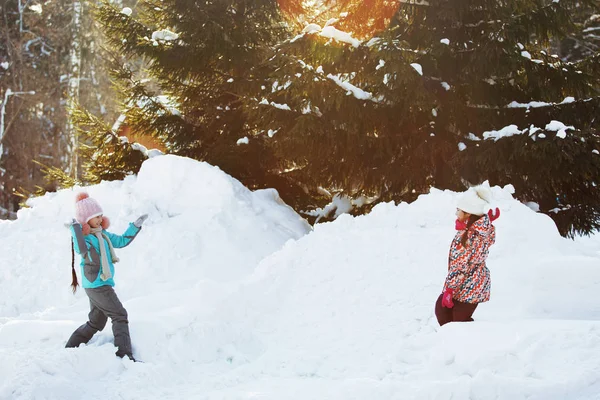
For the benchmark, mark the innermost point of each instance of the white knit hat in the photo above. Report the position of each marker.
(476, 200)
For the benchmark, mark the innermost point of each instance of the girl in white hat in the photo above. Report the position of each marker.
(468, 280)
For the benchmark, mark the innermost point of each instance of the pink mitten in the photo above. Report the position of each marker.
(447, 298)
(494, 216)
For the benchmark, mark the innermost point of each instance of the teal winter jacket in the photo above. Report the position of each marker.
(89, 249)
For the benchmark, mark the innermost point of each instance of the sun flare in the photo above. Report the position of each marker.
(364, 19)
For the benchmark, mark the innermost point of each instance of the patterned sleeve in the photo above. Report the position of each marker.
(483, 226)
(458, 263)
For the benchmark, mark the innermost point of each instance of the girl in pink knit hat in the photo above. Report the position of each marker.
(468, 281)
(96, 246)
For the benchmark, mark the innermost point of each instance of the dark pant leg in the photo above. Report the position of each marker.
(443, 314)
(83, 334)
(107, 301)
(463, 312)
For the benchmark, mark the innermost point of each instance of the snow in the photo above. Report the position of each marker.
(511, 130)
(127, 11)
(297, 37)
(536, 104)
(526, 54)
(312, 28)
(416, 2)
(331, 21)
(330, 32)
(243, 140)
(36, 8)
(418, 68)
(386, 78)
(355, 91)
(276, 105)
(341, 36)
(462, 146)
(473, 137)
(595, 151)
(507, 131)
(154, 153)
(445, 41)
(533, 206)
(164, 34)
(531, 104)
(340, 204)
(148, 153)
(559, 127)
(230, 295)
(380, 65)
(5, 65)
(446, 86)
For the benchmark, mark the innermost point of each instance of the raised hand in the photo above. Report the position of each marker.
(138, 222)
(494, 216)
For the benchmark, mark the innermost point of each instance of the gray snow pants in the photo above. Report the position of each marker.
(104, 303)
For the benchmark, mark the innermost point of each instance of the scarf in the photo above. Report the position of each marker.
(105, 273)
(460, 226)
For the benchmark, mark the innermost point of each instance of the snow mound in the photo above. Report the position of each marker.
(354, 300)
(202, 225)
(231, 297)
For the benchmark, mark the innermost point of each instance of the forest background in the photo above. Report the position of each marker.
(339, 105)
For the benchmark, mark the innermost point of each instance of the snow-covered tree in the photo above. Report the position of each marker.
(450, 93)
(584, 40)
(185, 71)
(379, 99)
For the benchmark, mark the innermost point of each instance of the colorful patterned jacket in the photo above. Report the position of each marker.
(468, 275)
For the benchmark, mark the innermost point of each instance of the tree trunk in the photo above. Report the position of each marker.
(73, 92)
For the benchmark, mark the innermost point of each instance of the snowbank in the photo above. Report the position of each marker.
(229, 298)
(203, 225)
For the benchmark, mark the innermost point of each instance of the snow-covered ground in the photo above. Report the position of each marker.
(232, 296)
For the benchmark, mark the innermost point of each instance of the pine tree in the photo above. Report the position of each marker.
(584, 40)
(422, 103)
(184, 71)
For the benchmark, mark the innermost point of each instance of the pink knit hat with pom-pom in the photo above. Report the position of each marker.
(87, 208)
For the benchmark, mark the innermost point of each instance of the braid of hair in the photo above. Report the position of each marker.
(472, 219)
(74, 282)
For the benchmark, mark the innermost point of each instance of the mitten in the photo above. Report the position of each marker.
(494, 216)
(138, 222)
(447, 298)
